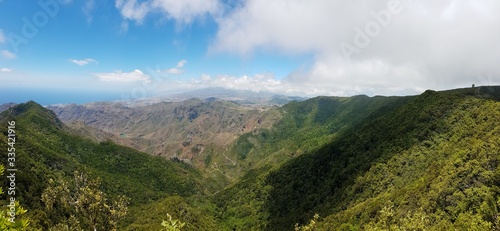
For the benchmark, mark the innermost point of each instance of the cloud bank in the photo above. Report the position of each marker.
(264, 82)
(124, 77)
(366, 46)
(428, 44)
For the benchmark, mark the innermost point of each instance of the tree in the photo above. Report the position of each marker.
(86, 201)
(413, 220)
(171, 225)
(469, 221)
(71, 224)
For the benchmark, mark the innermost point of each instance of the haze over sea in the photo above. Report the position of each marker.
(46, 97)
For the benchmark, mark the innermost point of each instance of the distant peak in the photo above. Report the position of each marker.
(32, 112)
(6, 106)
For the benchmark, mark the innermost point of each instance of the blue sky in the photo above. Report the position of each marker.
(61, 51)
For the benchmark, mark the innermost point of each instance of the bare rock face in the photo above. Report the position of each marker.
(183, 130)
(6, 106)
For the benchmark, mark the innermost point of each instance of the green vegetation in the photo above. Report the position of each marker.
(427, 162)
(310, 227)
(46, 150)
(172, 225)
(6, 219)
(191, 213)
(88, 205)
(306, 126)
(431, 159)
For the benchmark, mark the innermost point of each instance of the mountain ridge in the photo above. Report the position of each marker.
(242, 97)
(361, 163)
(344, 180)
(46, 149)
(191, 130)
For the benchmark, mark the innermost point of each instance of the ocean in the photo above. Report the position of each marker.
(47, 97)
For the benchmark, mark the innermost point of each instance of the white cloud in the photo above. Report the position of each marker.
(5, 70)
(259, 82)
(181, 63)
(83, 62)
(175, 70)
(187, 10)
(182, 11)
(266, 82)
(429, 44)
(2, 36)
(132, 10)
(119, 76)
(414, 46)
(8, 55)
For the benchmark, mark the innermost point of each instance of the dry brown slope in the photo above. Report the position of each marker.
(194, 131)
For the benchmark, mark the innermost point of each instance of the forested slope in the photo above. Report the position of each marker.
(362, 163)
(304, 128)
(45, 150)
(432, 159)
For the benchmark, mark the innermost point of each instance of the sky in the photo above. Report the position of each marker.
(75, 51)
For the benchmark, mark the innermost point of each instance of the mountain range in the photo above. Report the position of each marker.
(242, 97)
(360, 163)
(190, 130)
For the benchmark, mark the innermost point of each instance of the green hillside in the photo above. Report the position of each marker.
(426, 162)
(304, 127)
(307, 125)
(432, 156)
(46, 150)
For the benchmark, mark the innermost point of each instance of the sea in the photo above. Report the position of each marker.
(49, 97)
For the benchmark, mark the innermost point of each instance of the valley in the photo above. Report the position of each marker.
(360, 163)
(197, 132)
